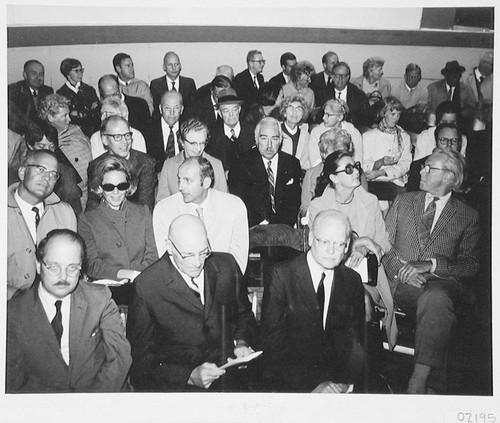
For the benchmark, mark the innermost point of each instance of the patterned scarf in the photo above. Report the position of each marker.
(396, 131)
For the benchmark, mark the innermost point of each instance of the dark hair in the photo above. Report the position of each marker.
(71, 235)
(445, 125)
(220, 81)
(329, 167)
(447, 107)
(268, 94)
(193, 125)
(119, 58)
(206, 169)
(327, 55)
(31, 62)
(285, 57)
(39, 129)
(412, 67)
(68, 64)
(107, 163)
(337, 65)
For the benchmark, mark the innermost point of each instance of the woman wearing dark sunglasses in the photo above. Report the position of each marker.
(118, 233)
(342, 190)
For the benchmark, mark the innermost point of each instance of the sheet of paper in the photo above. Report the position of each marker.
(241, 360)
(110, 282)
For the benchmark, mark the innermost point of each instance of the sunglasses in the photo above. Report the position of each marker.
(123, 186)
(349, 168)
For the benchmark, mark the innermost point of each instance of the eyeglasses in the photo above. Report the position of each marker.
(349, 168)
(427, 168)
(449, 141)
(298, 109)
(331, 114)
(341, 75)
(262, 62)
(121, 137)
(55, 269)
(190, 256)
(123, 186)
(196, 144)
(338, 246)
(78, 70)
(42, 171)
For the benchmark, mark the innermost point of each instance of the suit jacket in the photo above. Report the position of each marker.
(248, 180)
(244, 87)
(454, 241)
(117, 239)
(321, 93)
(358, 106)
(167, 179)
(20, 94)
(99, 352)
(298, 353)
(438, 93)
(142, 167)
(203, 109)
(138, 115)
(171, 332)
(154, 144)
(226, 150)
(278, 80)
(187, 88)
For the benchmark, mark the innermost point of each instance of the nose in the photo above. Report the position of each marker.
(197, 260)
(62, 274)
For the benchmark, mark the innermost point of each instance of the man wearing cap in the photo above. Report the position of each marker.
(481, 83)
(230, 136)
(249, 82)
(451, 88)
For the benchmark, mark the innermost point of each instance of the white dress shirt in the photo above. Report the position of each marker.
(29, 214)
(165, 130)
(199, 281)
(170, 83)
(237, 130)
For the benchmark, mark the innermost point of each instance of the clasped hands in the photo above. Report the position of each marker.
(412, 272)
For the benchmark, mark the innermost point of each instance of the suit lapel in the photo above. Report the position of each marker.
(179, 285)
(418, 211)
(445, 216)
(76, 320)
(210, 285)
(306, 288)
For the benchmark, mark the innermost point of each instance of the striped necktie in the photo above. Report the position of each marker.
(426, 221)
(170, 149)
(270, 178)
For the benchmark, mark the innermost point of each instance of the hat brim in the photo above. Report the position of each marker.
(459, 69)
(229, 101)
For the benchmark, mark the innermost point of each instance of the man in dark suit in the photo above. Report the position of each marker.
(266, 179)
(26, 94)
(313, 316)
(138, 111)
(230, 136)
(205, 107)
(287, 62)
(172, 81)
(435, 251)
(248, 82)
(165, 141)
(322, 82)
(175, 323)
(349, 93)
(63, 334)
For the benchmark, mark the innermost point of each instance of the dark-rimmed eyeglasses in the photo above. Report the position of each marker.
(262, 62)
(190, 256)
(349, 168)
(42, 171)
(338, 246)
(449, 141)
(427, 168)
(197, 144)
(55, 269)
(123, 186)
(121, 137)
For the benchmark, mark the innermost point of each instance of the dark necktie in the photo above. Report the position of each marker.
(450, 94)
(35, 98)
(233, 135)
(255, 83)
(338, 95)
(270, 178)
(329, 83)
(57, 322)
(173, 86)
(37, 216)
(196, 289)
(426, 221)
(320, 294)
(170, 149)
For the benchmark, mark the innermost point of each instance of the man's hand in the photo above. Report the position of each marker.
(204, 375)
(374, 174)
(329, 387)
(356, 257)
(242, 350)
(412, 272)
(369, 245)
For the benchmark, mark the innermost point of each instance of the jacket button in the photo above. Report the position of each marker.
(26, 276)
(76, 159)
(119, 244)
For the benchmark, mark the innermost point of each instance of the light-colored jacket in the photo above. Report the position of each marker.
(21, 269)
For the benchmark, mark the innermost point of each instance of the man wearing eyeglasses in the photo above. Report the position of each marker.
(224, 215)
(189, 312)
(117, 138)
(313, 315)
(248, 82)
(194, 138)
(64, 334)
(33, 211)
(434, 255)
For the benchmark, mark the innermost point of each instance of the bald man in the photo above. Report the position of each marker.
(222, 70)
(175, 319)
(313, 314)
(172, 81)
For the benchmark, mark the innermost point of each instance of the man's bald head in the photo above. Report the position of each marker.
(172, 65)
(109, 86)
(225, 70)
(185, 227)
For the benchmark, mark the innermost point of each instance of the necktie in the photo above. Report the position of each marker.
(199, 212)
(320, 294)
(170, 149)
(255, 82)
(450, 94)
(329, 83)
(233, 135)
(196, 289)
(35, 98)
(57, 322)
(426, 221)
(270, 178)
(173, 86)
(338, 95)
(37, 216)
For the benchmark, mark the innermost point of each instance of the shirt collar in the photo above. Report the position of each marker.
(316, 270)
(443, 200)
(73, 88)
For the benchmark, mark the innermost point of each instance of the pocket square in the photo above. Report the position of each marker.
(95, 332)
(290, 182)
